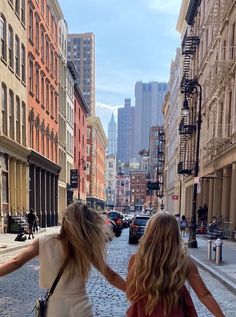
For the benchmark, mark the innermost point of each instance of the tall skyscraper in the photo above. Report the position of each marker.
(112, 141)
(125, 139)
(148, 103)
(81, 50)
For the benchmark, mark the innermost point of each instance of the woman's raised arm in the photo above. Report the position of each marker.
(24, 256)
(202, 291)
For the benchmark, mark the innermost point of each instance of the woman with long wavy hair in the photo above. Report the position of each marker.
(80, 244)
(158, 271)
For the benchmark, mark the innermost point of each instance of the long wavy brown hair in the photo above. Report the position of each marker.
(83, 236)
(159, 269)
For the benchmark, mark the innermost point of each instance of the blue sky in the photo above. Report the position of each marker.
(135, 40)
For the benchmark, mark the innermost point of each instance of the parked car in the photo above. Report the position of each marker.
(137, 227)
(116, 217)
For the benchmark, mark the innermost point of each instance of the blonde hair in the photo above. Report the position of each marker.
(83, 236)
(160, 265)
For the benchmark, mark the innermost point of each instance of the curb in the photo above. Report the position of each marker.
(22, 244)
(218, 275)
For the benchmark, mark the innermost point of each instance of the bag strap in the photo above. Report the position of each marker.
(57, 279)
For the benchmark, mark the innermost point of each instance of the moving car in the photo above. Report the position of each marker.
(137, 227)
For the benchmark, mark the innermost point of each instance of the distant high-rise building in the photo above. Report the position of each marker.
(148, 103)
(112, 141)
(81, 50)
(125, 139)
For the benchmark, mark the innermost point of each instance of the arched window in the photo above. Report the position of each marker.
(10, 47)
(23, 11)
(4, 108)
(11, 114)
(18, 130)
(17, 55)
(17, 7)
(23, 63)
(3, 37)
(23, 123)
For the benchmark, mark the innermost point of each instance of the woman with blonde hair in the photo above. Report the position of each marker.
(79, 245)
(158, 271)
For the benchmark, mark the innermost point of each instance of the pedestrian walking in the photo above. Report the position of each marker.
(35, 225)
(80, 244)
(183, 226)
(158, 271)
(31, 220)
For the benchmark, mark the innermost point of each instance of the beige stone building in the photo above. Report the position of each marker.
(213, 64)
(14, 169)
(171, 113)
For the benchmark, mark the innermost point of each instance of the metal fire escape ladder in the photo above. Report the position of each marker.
(186, 128)
(160, 163)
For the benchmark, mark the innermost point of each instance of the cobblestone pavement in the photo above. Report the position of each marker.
(19, 289)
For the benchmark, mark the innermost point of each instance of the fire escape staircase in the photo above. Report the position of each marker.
(185, 130)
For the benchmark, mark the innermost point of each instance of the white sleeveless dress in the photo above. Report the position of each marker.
(69, 298)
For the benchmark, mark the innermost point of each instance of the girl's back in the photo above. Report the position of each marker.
(70, 297)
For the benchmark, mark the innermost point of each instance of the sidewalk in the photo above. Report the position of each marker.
(226, 271)
(8, 243)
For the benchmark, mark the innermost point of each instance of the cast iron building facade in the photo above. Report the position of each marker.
(125, 140)
(81, 50)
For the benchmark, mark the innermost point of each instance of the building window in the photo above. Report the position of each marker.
(42, 89)
(37, 83)
(4, 108)
(37, 138)
(11, 114)
(47, 96)
(56, 107)
(18, 119)
(10, 47)
(42, 44)
(37, 32)
(31, 24)
(23, 122)
(42, 142)
(51, 103)
(23, 76)
(3, 37)
(47, 14)
(47, 147)
(51, 61)
(47, 53)
(17, 7)
(31, 75)
(42, 7)
(17, 55)
(23, 11)
(55, 66)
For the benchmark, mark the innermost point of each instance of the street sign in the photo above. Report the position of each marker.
(175, 197)
(74, 178)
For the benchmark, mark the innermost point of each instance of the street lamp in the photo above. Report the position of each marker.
(194, 88)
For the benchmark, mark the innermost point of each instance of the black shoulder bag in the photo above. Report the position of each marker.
(41, 302)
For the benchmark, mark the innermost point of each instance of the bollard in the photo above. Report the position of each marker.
(218, 245)
(209, 249)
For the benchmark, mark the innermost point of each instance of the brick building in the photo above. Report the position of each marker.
(96, 151)
(138, 189)
(81, 112)
(43, 86)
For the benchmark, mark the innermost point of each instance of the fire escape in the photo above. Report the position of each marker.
(160, 163)
(186, 127)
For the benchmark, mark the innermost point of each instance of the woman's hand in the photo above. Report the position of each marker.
(24, 256)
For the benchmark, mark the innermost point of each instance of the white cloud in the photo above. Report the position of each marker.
(166, 6)
(109, 107)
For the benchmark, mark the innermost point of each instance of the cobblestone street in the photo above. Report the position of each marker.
(19, 290)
